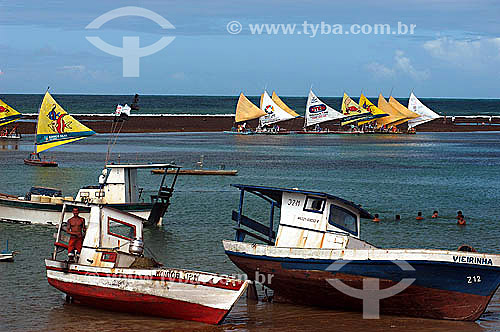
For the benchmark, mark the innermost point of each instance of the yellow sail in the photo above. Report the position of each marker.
(403, 110)
(395, 117)
(56, 127)
(370, 107)
(284, 106)
(8, 114)
(246, 110)
(352, 111)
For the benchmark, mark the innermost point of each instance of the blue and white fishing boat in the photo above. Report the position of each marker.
(6, 255)
(314, 256)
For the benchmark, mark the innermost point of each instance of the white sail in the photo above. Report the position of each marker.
(426, 114)
(274, 112)
(318, 112)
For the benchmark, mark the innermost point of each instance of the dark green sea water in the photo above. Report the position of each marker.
(388, 175)
(76, 104)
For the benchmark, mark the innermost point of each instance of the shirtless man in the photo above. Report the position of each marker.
(76, 228)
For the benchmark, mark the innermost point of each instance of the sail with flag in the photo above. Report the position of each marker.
(283, 106)
(318, 112)
(56, 127)
(274, 113)
(8, 114)
(426, 114)
(376, 112)
(353, 112)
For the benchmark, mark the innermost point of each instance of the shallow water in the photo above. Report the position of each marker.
(386, 174)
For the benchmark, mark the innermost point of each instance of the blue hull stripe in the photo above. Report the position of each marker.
(456, 277)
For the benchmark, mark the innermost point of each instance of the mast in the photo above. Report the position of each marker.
(38, 118)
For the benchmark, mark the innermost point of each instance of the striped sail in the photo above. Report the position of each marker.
(370, 107)
(284, 106)
(353, 112)
(8, 114)
(318, 112)
(426, 114)
(56, 127)
(246, 110)
(274, 113)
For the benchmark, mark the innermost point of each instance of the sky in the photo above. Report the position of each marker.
(454, 50)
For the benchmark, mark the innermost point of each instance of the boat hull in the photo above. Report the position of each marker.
(14, 210)
(157, 292)
(440, 289)
(40, 163)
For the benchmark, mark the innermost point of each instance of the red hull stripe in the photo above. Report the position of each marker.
(133, 302)
(236, 286)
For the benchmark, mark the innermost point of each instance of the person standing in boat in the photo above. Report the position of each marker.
(76, 229)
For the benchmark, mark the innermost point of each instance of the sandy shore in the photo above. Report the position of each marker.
(214, 123)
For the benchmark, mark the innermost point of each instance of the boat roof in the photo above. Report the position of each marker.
(276, 194)
(142, 166)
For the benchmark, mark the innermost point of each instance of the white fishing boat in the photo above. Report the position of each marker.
(117, 188)
(424, 112)
(313, 255)
(112, 273)
(54, 127)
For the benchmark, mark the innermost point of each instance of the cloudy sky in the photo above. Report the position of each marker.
(453, 52)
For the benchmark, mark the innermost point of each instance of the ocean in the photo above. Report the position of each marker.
(78, 104)
(388, 175)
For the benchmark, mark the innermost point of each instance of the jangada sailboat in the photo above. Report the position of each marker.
(376, 112)
(54, 127)
(318, 112)
(353, 112)
(8, 115)
(245, 111)
(426, 114)
(274, 114)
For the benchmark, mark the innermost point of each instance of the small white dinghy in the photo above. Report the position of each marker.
(6, 255)
(112, 273)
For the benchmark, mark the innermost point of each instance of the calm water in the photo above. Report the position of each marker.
(386, 174)
(75, 104)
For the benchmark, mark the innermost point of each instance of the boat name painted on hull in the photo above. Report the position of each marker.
(308, 219)
(472, 260)
(170, 274)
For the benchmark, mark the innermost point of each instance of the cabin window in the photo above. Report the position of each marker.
(121, 229)
(343, 219)
(314, 204)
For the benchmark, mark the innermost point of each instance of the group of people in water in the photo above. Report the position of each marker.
(460, 217)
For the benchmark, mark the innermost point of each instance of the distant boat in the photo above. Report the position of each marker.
(353, 113)
(54, 127)
(395, 116)
(376, 112)
(402, 109)
(8, 115)
(426, 114)
(6, 255)
(245, 111)
(274, 115)
(318, 112)
(197, 171)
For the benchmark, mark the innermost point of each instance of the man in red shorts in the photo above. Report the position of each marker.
(76, 228)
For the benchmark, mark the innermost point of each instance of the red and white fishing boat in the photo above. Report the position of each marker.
(112, 273)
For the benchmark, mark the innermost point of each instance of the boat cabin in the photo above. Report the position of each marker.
(118, 184)
(112, 239)
(307, 219)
